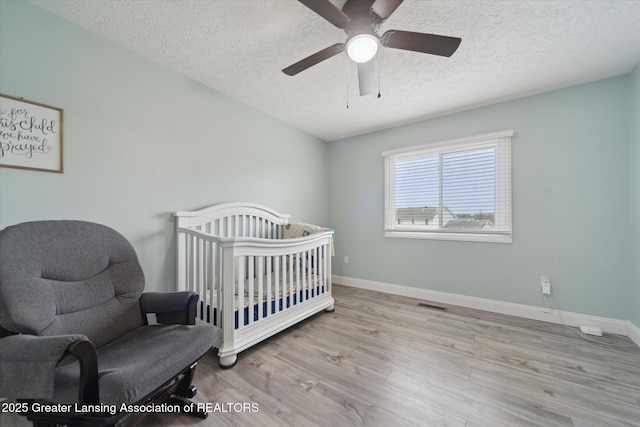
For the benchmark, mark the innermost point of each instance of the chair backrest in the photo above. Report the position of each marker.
(69, 277)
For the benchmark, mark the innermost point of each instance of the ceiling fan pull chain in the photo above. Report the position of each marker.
(379, 68)
(347, 75)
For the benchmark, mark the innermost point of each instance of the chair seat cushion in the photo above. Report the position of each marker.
(138, 362)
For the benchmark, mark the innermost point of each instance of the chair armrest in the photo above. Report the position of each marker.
(86, 354)
(28, 364)
(170, 307)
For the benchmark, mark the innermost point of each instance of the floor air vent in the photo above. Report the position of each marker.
(431, 306)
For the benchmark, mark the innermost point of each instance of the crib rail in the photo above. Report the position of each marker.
(259, 278)
(236, 220)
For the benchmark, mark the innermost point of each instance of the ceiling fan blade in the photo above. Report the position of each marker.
(420, 42)
(314, 59)
(383, 9)
(367, 78)
(328, 11)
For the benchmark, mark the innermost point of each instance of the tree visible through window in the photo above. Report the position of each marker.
(457, 190)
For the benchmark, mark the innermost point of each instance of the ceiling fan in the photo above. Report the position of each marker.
(360, 20)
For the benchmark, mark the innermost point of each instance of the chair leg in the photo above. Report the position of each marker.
(185, 391)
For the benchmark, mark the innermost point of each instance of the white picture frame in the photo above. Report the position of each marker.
(31, 135)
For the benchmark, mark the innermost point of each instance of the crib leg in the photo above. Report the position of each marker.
(228, 361)
(330, 309)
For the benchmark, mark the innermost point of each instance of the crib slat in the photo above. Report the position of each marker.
(303, 264)
(205, 270)
(291, 270)
(326, 272)
(239, 279)
(204, 273)
(251, 262)
(318, 274)
(296, 277)
(319, 270)
(277, 292)
(188, 268)
(220, 287)
(201, 267)
(323, 269)
(314, 273)
(285, 279)
(212, 282)
(200, 261)
(269, 262)
(193, 270)
(260, 311)
(303, 278)
(244, 232)
(187, 262)
(285, 283)
(308, 276)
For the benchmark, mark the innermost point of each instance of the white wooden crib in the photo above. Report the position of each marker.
(252, 282)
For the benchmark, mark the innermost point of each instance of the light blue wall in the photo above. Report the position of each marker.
(141, 141)
(570, 205)
(634, 189)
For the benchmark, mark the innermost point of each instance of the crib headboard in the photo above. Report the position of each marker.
(237, 219)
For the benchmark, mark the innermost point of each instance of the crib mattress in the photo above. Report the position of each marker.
(278, 289)
(282, 295)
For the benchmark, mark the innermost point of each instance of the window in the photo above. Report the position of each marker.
(451, 190)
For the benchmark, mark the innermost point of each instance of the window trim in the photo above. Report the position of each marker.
(478, 141)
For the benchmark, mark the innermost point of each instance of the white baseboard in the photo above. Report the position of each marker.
(614, 326)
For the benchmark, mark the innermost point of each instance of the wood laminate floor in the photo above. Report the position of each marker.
(384, 360)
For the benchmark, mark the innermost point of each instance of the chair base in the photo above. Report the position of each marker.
(176, 392)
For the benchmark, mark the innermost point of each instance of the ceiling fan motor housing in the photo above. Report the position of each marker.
(362, 21)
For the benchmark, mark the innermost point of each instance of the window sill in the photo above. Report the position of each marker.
(461, 237)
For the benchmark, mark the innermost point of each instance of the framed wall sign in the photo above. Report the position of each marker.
(30, 135)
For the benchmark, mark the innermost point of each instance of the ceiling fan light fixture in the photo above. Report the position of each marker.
(362, 47)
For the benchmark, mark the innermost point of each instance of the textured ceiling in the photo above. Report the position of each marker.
(509, 49)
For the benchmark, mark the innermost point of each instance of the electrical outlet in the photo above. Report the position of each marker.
(591, 330)
(346, 259)
(545, 283)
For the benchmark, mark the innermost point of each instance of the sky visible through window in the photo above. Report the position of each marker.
(468, 182)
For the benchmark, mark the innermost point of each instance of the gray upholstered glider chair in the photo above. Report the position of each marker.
(74, 328)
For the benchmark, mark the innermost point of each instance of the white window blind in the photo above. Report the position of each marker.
(453, 190)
